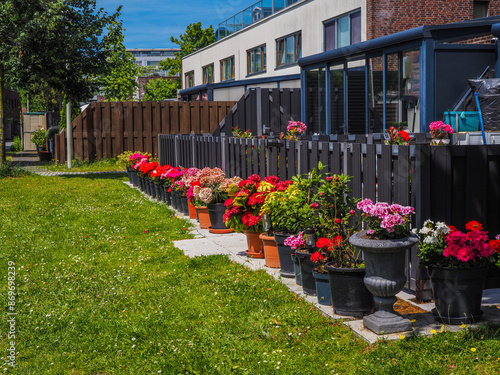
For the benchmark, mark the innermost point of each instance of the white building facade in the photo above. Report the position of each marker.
(262, 49)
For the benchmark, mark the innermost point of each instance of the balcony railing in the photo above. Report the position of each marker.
(254, 13)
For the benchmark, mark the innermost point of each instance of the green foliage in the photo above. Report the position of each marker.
(38, 137)
(17, 145)
(41, 98)
(193, 39)
(160, 89)
(238, 133)
(75, 111)
(119, 84)
(103, 165)
(7, 169)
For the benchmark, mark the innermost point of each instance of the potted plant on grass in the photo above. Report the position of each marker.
(384, 247)
(458, 264)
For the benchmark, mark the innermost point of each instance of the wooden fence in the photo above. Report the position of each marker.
(107, 129)
(451, 184)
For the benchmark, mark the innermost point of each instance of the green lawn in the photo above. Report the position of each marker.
(101, 290)
(106, 164)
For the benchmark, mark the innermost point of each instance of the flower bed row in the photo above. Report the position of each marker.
(316, 225)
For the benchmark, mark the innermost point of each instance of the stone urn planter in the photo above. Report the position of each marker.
(385, 277)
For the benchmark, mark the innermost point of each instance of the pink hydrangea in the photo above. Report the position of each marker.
(295, 242)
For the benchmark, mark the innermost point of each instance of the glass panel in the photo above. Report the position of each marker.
(343, 32)
(356, 116)
(257, 13)
(290, 48)
(264, 59)
(393, 109)
(316, 101)
(411, 89)
(376, 95)
(247, 16)
(238, 21)
(298, 46)
(258, 60)
(337, 99)
(267, 7)
(329, 36)
(278, 5)
(280, 45)
(356, 28)
(230, 26)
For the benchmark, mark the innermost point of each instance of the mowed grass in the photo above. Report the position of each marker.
(104, 165)
(101, 290)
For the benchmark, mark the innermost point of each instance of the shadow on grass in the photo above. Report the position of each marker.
(96, 175)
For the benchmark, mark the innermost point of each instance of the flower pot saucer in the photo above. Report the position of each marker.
(220, 231)
(252, 254)
(457, 320)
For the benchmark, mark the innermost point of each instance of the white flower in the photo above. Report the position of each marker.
(425, 230)
(428, 223)
(415, 231)
(442, 228)
(430, 240)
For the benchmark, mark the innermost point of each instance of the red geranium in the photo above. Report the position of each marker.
(473, 225)
(316, 256)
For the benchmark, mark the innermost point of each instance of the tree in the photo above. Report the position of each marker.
(58, 42)
(120, 83)
(193, 39)
(41, 98)
(159, 89)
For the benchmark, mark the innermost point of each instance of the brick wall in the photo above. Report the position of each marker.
(386, 17)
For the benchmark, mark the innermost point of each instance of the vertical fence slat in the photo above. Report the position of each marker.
(369, 173)
(384, 173)
(335, 159)
(292, 160)
(357, 189)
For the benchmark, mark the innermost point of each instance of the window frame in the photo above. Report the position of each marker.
(204, 73)
(335, 21)
(297, 49)
(230, 58)
(189, 79)
(263, 59)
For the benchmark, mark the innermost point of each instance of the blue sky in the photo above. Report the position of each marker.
(150, 23)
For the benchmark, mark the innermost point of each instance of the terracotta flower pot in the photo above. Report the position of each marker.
(270, 251)
(192, 211)
(204, 217)
(255, 245)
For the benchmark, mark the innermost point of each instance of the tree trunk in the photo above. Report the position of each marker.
(2, 139)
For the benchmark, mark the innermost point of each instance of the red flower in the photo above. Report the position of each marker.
(254, 178)
(337, 241)
(452, 228)
(282, 185)
(196, 183)
(250, 220)
(338, 221)
(329, 178)
(315, 205)
(229, 202)
(404, 135)
(495, 244)
(324, 243)
(473, 225)
(257, 198)
(316, 256)
(272, 179)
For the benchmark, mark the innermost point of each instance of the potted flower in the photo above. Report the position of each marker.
(440, 133)
(144, 171)
(243, 208)
(213, 192)
(190, 176)
(172, 176)
(138, 162)
(458, 264)
(397, 136)
(294, 130)
(384, 247)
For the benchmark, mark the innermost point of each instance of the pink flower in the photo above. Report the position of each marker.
(145, 231)
(315, 205)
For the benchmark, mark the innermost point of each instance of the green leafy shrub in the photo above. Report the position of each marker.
(18, 144)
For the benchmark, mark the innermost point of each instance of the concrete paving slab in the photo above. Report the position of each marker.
(234, 245)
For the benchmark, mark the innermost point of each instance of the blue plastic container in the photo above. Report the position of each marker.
(466, 121)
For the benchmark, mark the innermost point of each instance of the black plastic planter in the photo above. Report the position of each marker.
(296, 268)
(306, 273)
(184, 204)
(284, 253)
(216, 212)
(323, 288)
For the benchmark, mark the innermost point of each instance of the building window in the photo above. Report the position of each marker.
(343, 31)
(208, 74)
(256, 60)
(480, 9)
(189, 79)
(288, 49)
(227, 69)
